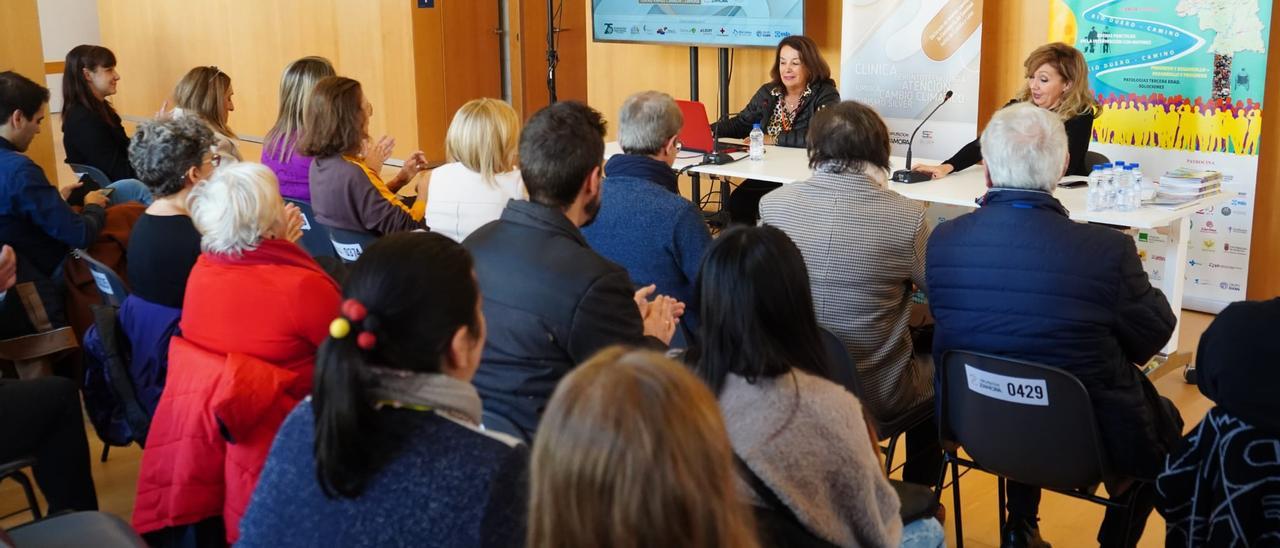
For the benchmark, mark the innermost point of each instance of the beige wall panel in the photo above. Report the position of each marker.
(20, 51)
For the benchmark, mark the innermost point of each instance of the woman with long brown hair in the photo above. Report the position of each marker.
(1057, 80)
(632, 452)
(205, 92)
(92, 132)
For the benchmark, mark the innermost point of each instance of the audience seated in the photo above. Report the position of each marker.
(346, 190)
(392, 428)
(279, 149)
(171, 157)
(34, 218)
(552, 301)
(1221, 484)
(804, 436)
(632, 453)
(205, 93)
(644, 224)
(92, 133)
(257, 307)
(863, 245)
(471, 190)
(1019, 279)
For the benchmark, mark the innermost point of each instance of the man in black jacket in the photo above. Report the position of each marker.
(550, 301)
(1018, 278)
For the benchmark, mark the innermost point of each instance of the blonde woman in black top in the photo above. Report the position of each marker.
(1057, 80)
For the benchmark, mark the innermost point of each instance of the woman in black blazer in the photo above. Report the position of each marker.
(800, 85)
(91, 130)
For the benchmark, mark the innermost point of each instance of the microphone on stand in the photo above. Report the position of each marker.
(906, 175)
(715, 156)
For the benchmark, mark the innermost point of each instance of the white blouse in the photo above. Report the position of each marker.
(460, 201)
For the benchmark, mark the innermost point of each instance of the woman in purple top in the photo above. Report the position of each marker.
(291, 169)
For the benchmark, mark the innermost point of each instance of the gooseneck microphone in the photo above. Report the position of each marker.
(906, 175)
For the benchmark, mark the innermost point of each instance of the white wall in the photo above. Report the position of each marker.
(65, 24)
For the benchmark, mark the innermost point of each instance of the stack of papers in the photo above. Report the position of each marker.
(1185, 185)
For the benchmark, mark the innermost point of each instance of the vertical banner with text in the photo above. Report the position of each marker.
(1181, 85)
(901, 56)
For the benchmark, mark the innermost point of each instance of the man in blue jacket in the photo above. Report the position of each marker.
(34, 217)
(644, 224)
(1020, 279)
(550, 302)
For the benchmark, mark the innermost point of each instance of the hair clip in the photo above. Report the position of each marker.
(353, 310)
(339, 328)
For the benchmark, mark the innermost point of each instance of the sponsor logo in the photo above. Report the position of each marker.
(723, 32)
(1229, 286)
(635, 30)
(1142, 254)
(738, 32)
(663, 31)
(608, 28)
(1238, 202)
(1226, 211)
(1192, 262)
(706, 31)
(762, 33)
(1235, 249)
(1216, 266)
(1142, 236)
(781, 34)
(1234, 230)
(1208, 245)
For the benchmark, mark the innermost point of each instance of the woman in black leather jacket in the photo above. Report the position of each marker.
(800, 85)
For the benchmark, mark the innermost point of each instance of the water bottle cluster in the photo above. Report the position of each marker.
(1115, 186)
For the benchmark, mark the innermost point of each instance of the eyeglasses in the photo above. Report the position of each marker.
(215, 159)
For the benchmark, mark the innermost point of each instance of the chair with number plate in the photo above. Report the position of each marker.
(349, 244)
(1019, 421)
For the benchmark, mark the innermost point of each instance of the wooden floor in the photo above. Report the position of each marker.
(1064, 521)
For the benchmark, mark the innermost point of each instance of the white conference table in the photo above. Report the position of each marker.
(788, 165)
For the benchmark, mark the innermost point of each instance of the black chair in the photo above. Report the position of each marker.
(78, 529)
(94, 173)
(13, 470)
(315, 236)
(1092, 158)
(112, 289)
(1019, 421)
(349, 244)
(845, 373)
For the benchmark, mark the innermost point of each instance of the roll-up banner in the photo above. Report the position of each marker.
(1181, 85)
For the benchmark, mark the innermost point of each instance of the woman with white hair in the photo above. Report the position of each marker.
(256, 309)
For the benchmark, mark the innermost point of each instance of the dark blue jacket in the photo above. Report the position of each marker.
(1019, 279)
(35, 220)
(657, 235)
(446, 485)
(138, 337)
(550, 302)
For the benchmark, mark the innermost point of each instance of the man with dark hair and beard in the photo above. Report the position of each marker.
(550, 301)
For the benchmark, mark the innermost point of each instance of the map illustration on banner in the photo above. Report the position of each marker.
(901, 56)
(1181, 85)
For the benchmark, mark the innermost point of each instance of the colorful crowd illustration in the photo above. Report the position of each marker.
(1179, 123)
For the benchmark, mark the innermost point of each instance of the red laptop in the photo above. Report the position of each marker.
(696, 133)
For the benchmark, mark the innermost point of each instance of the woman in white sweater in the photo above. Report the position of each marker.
(801, 434)
(474, 187)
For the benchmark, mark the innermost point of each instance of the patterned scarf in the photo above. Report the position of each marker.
(782, 119)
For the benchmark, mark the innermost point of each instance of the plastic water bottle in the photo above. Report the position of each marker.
(1124, 189)
(1139, 183)
(757, 143)
(1107, 200)
(1093, 199)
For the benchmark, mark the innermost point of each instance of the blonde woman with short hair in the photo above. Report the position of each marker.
(474, 187)
(1058, 81)
(205, 92)
(632, 452)
(278, 149)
